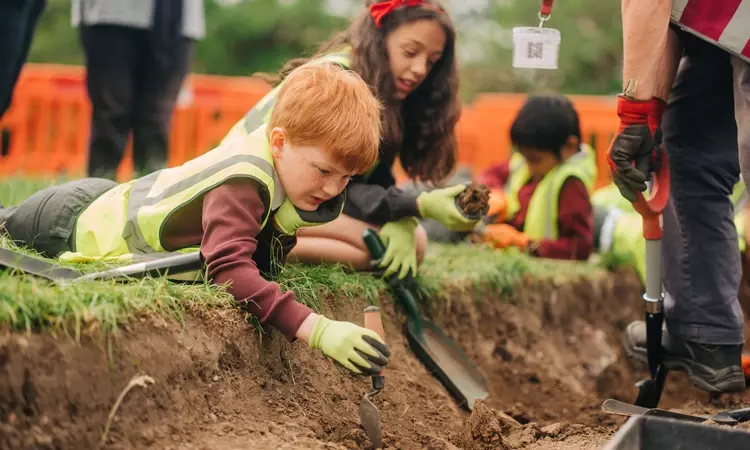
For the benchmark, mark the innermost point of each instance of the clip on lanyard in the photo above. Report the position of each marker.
(537, 47)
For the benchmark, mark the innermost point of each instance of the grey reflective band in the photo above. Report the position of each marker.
(139, 198)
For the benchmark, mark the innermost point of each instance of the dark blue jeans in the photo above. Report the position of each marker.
(18, 19)
(701, 259)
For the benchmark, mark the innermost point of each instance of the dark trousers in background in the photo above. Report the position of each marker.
(18, 19)
(131, 89)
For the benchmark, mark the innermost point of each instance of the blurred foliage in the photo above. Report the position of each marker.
(260, 35)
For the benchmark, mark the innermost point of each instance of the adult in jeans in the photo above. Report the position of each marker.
(705, 105)
(18, 20)
(137, 54)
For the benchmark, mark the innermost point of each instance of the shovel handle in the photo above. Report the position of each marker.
(374, 322)
(652, 208)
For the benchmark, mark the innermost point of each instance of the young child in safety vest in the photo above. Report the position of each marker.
(234, 203)
(406, 52)
(545, 185)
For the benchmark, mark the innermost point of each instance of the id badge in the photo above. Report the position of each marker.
(535, 47)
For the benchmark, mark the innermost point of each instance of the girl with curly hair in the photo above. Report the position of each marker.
(405, 51)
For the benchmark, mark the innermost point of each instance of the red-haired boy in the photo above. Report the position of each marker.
(233, 203)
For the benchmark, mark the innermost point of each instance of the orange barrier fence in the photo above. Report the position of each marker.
(46, 130)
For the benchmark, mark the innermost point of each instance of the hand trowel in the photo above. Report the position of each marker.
(369, 414)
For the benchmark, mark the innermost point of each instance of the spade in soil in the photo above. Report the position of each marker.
(650, 390)
(369, 414)
(438, 352)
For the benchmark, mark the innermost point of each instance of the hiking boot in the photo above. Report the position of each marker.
(713, 368)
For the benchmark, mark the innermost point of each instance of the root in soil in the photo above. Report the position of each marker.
(474, 201)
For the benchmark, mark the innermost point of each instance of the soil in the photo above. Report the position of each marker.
(550, 350)
(474, 201)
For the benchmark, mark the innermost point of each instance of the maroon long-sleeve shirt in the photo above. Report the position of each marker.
(227, 226)
(574, 221)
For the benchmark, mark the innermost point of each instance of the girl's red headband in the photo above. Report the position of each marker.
(379, 10)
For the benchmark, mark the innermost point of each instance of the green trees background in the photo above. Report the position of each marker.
(246, 36)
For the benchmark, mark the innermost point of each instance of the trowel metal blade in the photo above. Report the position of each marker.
(370, 417)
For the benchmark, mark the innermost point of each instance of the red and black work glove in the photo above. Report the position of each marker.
(634, 153)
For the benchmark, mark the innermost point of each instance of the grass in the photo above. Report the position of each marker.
(31, 304)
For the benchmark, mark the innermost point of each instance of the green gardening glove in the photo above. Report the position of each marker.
(401, 247)
(358, 349)
(440, 205)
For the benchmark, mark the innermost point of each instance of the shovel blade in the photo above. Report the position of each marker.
(448, 363)
(650, 389)
(35, 266)
(369, 415)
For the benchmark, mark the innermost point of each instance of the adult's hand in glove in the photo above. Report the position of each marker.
(502, 235)
(635, 150)
(358, 349)
(400, 240)
(440, 205)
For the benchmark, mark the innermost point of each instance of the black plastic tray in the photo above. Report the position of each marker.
(651, 433)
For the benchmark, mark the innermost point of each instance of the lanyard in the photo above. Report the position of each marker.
(545, 11)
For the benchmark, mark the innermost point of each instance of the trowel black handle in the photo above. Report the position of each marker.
(373, 243)
(399, 288)
(374, 322)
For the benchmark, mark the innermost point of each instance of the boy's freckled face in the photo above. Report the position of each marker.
(413, 49)
(308, 174)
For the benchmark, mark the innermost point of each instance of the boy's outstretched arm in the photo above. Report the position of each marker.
(231, 222)
(232, 216)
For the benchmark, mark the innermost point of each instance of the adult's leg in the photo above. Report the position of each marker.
(340, 241)
(112, 56)
(701, 263)
(159, 81)
(18, 19)
(742, 113)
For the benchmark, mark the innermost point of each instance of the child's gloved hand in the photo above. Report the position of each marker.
(401, 247)
(440, 205)
(358, 349)
(502, 235)
(498, 205)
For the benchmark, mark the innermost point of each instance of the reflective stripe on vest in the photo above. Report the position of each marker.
(261, 112)
(724, 23)
(129, 217)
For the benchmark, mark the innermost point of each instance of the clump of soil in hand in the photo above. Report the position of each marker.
(474, 201)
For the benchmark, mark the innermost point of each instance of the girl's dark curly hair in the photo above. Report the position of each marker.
(420, 129)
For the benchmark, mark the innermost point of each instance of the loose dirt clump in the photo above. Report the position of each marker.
(482, 431)
(474, 201)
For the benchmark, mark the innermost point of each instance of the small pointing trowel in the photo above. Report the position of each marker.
(369, 414)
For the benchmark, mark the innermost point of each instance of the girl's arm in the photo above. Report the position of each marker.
(378, 200)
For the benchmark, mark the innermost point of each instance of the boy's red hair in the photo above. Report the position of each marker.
(323, 104)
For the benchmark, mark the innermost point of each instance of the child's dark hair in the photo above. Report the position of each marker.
(545, 122)
(421, 128)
